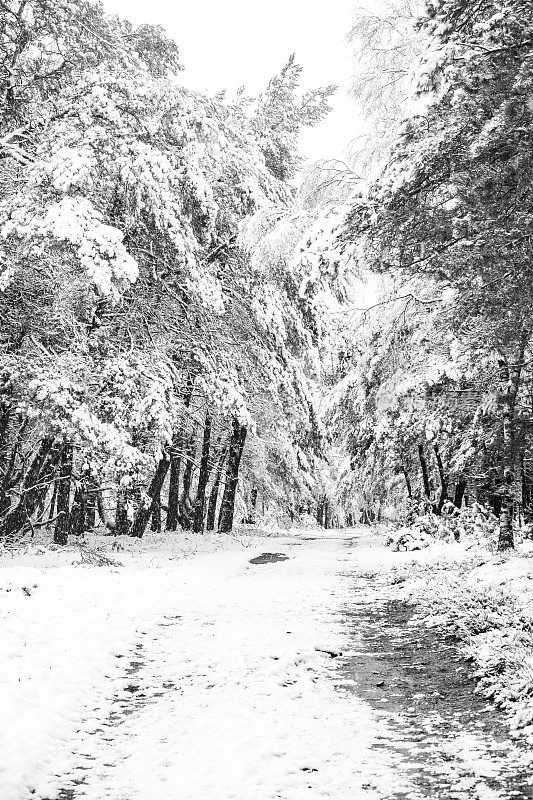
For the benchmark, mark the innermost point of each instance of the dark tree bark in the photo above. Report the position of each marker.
(443, 481)
(10, 473)
(122, 523)
(326, 515)
(63, 484)
(425, 473)
(199, 504)
(320, 512)
(407, 482)
(174, 487)
(173, 504)
(91, 504)
(51, 513)
(145, 510)
(5, 416)
(185, 506)
(509, 386)
(460, 489)
(253, 505)
(235, 450)
(47, 479)
(213, 495)
(155, 524)
(78, 512)
(18, 518)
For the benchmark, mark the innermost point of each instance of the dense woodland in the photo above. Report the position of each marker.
(182, 340)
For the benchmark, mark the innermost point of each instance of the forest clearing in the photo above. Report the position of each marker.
(266, 422)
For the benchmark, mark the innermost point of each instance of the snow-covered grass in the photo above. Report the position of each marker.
(486, 600)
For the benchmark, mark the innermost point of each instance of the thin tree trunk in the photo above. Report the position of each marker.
(407, 482)
(46, 479)
(78, 513)
(443, 481)
(235, 450)
(213, 495)
(145, 510)
(425, 474)
(11, 475)
(122, 523)
(199, 505)
(174, 488)
(253, 504)
(63, 495)
(460, 489)
(185, 515)
(91, 504)
(52, 511)
(155, 525)
(326, 515)
(5, 416)
(19, 517)
(173, 503)
(509, 385)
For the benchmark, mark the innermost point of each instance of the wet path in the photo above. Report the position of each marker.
(450, 742)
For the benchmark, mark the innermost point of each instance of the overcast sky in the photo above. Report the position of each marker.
(228, 43)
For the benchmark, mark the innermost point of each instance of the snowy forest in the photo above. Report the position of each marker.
(181, 340)
(206, 340)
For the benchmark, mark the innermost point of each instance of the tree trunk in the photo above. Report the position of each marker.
(509, 385)
(145, 510)
(51, 513)
(5, 416)
(199, 505)
(213, 495)
(19, 517)
(235, 450)
(173, 504)
(460, 489)
(63, 484)
(10, 474)
(156, 513)
(253, 505)
(443, 481)
(174, 488)
(185, 506)
(91, 504)
(425, 474)
(407, 482)
(122, 522)
(78, 513)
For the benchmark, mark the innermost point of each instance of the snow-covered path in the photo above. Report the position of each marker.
(232, 676)
(236, 692)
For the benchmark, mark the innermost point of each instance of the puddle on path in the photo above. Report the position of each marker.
(449, 741)
(269, 558)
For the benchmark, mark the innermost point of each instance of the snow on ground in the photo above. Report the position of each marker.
(183, 670)
(186, 678)
(486, 599)
(65, 626)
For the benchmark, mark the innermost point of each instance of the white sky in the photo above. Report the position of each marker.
(225, 44)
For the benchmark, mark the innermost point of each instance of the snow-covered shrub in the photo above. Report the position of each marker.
(473, 524)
